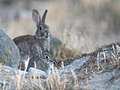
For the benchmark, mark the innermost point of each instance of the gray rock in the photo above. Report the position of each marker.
(37, 73)
(105, 81)
(9, 53)
(96, 70)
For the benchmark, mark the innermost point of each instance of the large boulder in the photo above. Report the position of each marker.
(9, 53)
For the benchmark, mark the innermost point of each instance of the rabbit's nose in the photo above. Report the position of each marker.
(51, 61)
(54, 62)
(46, 34)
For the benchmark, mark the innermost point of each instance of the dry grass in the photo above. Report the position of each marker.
(53, 82)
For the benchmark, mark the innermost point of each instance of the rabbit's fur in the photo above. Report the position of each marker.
(41, 59)
(41, 37)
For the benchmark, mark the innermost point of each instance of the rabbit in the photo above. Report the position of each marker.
(41, 37)
(42, 61)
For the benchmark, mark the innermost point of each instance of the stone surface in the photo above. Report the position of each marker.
(99, 70)
(40, 73)
(18, 77)
(9, 53)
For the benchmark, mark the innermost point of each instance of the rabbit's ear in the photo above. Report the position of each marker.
(44, 16)
(36, 16)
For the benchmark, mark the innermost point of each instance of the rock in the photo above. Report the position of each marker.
(36, 73)
(99, 70)
(105, 81)
(6, 76)
(9, 53)
(23, 80)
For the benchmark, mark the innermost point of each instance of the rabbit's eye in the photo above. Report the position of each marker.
(41, 27)
(47, 57)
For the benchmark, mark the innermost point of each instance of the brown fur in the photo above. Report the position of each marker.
(26, 38)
